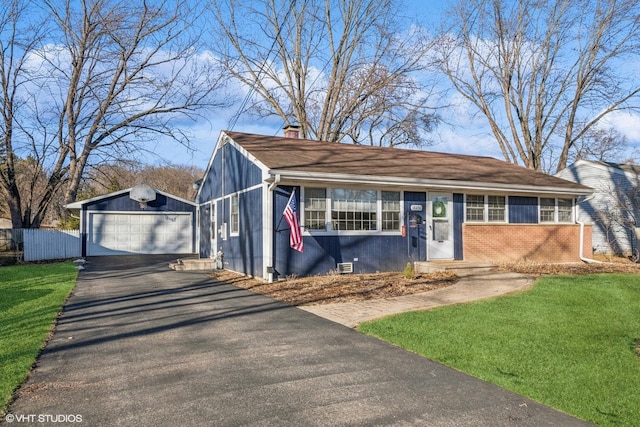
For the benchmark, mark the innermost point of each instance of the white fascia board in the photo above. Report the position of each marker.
(319, 177)
(223, 139)
(78, 205)
(180, 199)
(210, 164)
(247, 154)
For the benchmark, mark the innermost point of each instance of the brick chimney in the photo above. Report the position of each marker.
(292, 131)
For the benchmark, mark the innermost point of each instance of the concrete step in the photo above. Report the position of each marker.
(461, 268)
(200, 264)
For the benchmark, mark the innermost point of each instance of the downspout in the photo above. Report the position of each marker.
(581, 252)
(275, 182)
(270, 265)
(582, 257)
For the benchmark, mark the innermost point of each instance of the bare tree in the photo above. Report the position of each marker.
(110, 77)
(337, 68)
(20, 33)
(177, 180)
(600, 144)
(543, 72)
(619, 213)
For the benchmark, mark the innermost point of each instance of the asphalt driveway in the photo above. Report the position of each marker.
(139, 344)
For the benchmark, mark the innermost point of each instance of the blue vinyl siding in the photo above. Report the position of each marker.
(205, 232)
(245, 173)
(237, 171)
(211, 187)
(523, 210)
(416, 228)
(123, 203)
(458, 219)
(323, 252)
(243, 253)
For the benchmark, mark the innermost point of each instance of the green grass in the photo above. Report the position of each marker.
(571, 342)
(31, 297)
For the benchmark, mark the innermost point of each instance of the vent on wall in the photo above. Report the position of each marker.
(345, 267)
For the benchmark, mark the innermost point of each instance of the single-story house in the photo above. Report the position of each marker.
(138, 220)
(367, 209)
(614, 207)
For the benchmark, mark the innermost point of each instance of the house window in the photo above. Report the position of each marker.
(547, 209)
(235, 215)
(341, 209)
(353, 209)
(475, 208)
(497, 209)
(315, 208)
(565, 210)
(390, 210)
(556, 210)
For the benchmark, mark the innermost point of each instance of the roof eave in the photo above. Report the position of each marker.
(81, 203)
(318, 177)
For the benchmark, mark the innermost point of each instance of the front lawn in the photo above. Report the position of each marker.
(31, 298)
(571, 342)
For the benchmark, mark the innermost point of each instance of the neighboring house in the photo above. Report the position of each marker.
(138, 220)
(614, 208)
(368, 209)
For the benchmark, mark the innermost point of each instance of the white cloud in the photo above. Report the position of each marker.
(628, 124)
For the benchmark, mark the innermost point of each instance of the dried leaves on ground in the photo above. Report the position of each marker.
(339, 288)
(538, 269)
(356, 287)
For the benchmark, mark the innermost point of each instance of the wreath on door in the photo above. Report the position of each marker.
(439, 209)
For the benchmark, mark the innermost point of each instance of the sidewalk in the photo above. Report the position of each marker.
(474, 286)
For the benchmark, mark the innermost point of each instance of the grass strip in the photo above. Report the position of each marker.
(32, 297)
(571, 342)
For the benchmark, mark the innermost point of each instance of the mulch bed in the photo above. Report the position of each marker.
(332, 288)
(339, 288)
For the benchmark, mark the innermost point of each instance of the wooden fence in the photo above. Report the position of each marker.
(41, 245)
(10, 239)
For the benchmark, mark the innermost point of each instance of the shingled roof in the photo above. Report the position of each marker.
(289, 155)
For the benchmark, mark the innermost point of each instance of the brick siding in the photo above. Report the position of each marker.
(531, 242)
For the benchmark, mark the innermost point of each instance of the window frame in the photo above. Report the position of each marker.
(234, 217)
(476, 208)
(556, 210)
(502, 209)
(487, 209)
(306, 209)
(379, 213)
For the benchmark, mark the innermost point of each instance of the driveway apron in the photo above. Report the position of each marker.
(139, 344)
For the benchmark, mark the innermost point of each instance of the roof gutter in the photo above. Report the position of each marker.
(275, 182)
(415, 182)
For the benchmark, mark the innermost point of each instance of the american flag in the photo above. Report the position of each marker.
(291, 215)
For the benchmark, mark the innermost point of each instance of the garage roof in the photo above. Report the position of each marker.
(81, 203)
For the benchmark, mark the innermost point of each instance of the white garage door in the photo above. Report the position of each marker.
(147, 233)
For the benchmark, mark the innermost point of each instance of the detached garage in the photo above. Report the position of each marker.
(139, 220)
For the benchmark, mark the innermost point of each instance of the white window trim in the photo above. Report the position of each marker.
(486, 209)
(556, 211)
(329, 230)
(233, 232)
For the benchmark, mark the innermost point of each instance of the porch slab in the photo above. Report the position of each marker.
(193, 264)
(460, 268)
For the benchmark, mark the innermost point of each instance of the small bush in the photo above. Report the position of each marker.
(408, 272)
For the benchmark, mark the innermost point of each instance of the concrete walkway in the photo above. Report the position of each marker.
(141, 345)
(472, 286)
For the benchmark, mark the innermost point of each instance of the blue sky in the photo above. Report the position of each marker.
(467, 133)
